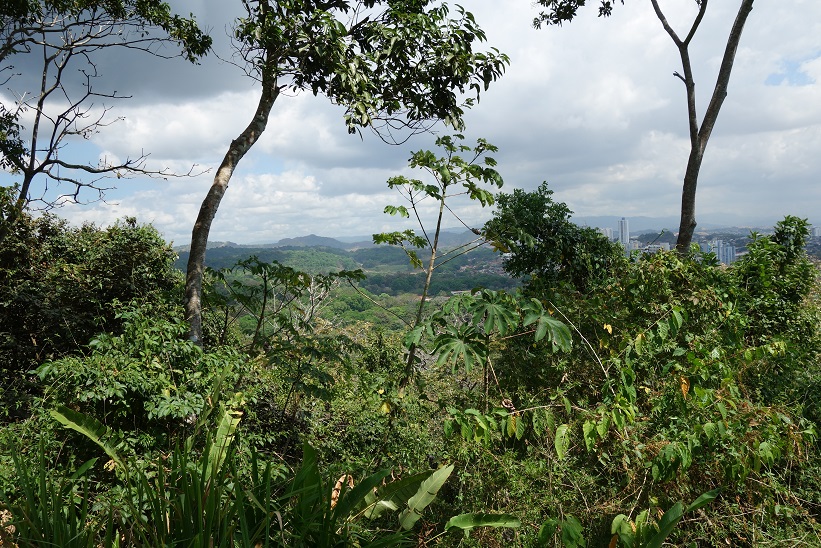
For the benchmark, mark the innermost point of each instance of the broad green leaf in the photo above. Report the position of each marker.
(423, 497)
(589, 430)
(355, 498)
(222, 440)
(667, 523)
(547, 531)
(466, 522)
(520, 427)
(638, 343)
(703, 500)
(603, 426)
(90, 428)
(622, 527)
(460, 344)
(559, 333)
(572, 533)
(515, 426)
(499, 314)
(396, 493)
(562, 440)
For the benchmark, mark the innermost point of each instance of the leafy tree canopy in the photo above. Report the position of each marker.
(563, 11)
(543, 243)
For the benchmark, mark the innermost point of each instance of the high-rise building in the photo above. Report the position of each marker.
(607, 233)
(624, 233)
(725, 253)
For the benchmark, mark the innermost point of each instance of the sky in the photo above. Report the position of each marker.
(591, 107)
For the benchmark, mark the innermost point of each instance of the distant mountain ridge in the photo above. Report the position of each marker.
(455, 237)
(448, 238)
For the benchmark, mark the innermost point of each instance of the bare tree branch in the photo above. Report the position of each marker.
(64, 106)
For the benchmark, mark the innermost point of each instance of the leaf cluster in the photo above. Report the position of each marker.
(541, 242)
(391, 64)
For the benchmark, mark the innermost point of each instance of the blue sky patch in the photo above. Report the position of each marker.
(791, 74)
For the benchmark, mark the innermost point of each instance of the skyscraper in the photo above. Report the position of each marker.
(624, 234)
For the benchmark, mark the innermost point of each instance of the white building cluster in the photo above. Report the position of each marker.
(724, 251)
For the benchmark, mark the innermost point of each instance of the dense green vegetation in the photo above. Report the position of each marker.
(662, 398)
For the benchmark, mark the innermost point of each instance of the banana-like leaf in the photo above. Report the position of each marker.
(466, 522)
(667, 523)
(90, 428)
(423, 497)
(703, 500)
(222, 440)
(356, 498)
(393, 495)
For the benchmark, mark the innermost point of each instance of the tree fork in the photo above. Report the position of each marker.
(700, 136)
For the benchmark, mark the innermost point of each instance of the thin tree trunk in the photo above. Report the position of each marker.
(700, 136)
(428, 276)
(199, 236)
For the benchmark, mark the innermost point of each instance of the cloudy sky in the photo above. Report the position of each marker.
(592, 107)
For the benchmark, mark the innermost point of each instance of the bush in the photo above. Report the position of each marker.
(58, 286)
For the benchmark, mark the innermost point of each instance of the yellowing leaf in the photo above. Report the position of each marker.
(386, 407)
(639, 343)
(608, 328)
(685, 385)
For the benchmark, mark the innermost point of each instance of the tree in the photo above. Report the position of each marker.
(560, 11)
(544, 244)
(397, 68)
(453, 176)
(61, 39)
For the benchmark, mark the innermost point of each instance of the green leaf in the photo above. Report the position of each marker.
(547, 531)
(520, 427)
(603, 426)
(572, 533)
(667, 523)
(499, 313)
(90, 428)
(466, 522)
(222, 440)
(703, 500)
(355, 498)
(396, 493)
(638, 343)
(589, 430)
(562, 441)
(423, 497)
(463, 343)
(558, 333)
(621, 526)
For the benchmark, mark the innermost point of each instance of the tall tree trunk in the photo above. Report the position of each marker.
(700, 135)
(199, 236)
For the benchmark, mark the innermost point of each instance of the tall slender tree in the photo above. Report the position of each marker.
(394, 65)
(560, 11)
